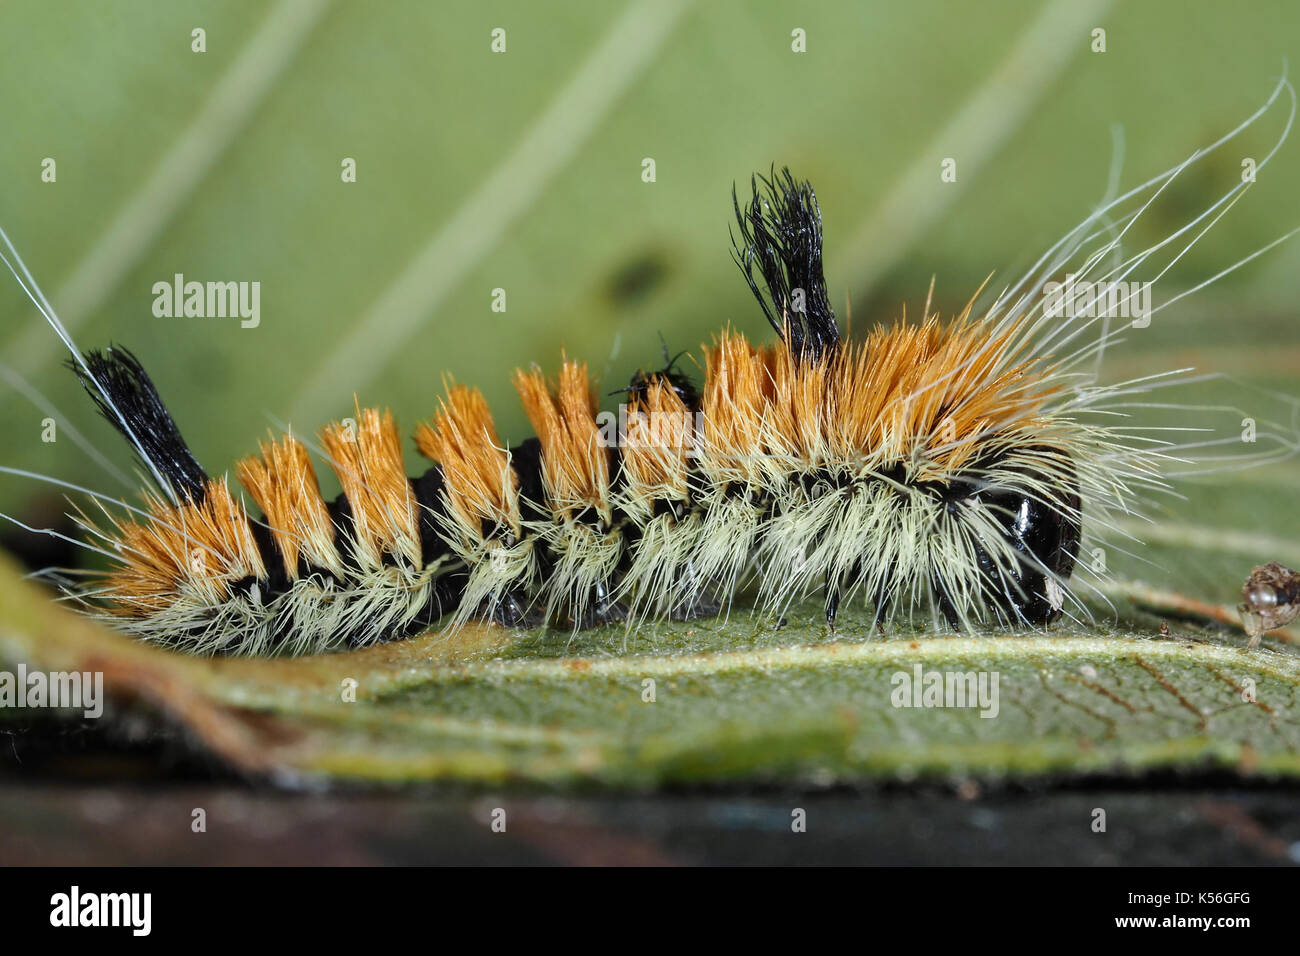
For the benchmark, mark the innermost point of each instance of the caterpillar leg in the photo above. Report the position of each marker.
(514, 609)
(835, 587)
(602, 609)
(832, 601)
(703, 605)
(881, 601)
(700, 601)
(945, 602)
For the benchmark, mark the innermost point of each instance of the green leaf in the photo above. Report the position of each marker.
(598, 262)
(738, 699)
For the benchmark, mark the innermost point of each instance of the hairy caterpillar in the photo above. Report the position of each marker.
(950, 464)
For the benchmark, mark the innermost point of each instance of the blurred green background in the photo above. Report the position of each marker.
(523, 171)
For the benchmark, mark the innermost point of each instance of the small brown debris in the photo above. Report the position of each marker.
(1247, 760)
(968, 789)
(1270, 599)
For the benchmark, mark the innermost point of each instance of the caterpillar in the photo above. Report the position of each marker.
(948, 464)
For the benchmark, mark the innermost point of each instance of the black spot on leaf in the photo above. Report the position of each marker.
(637, 279)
